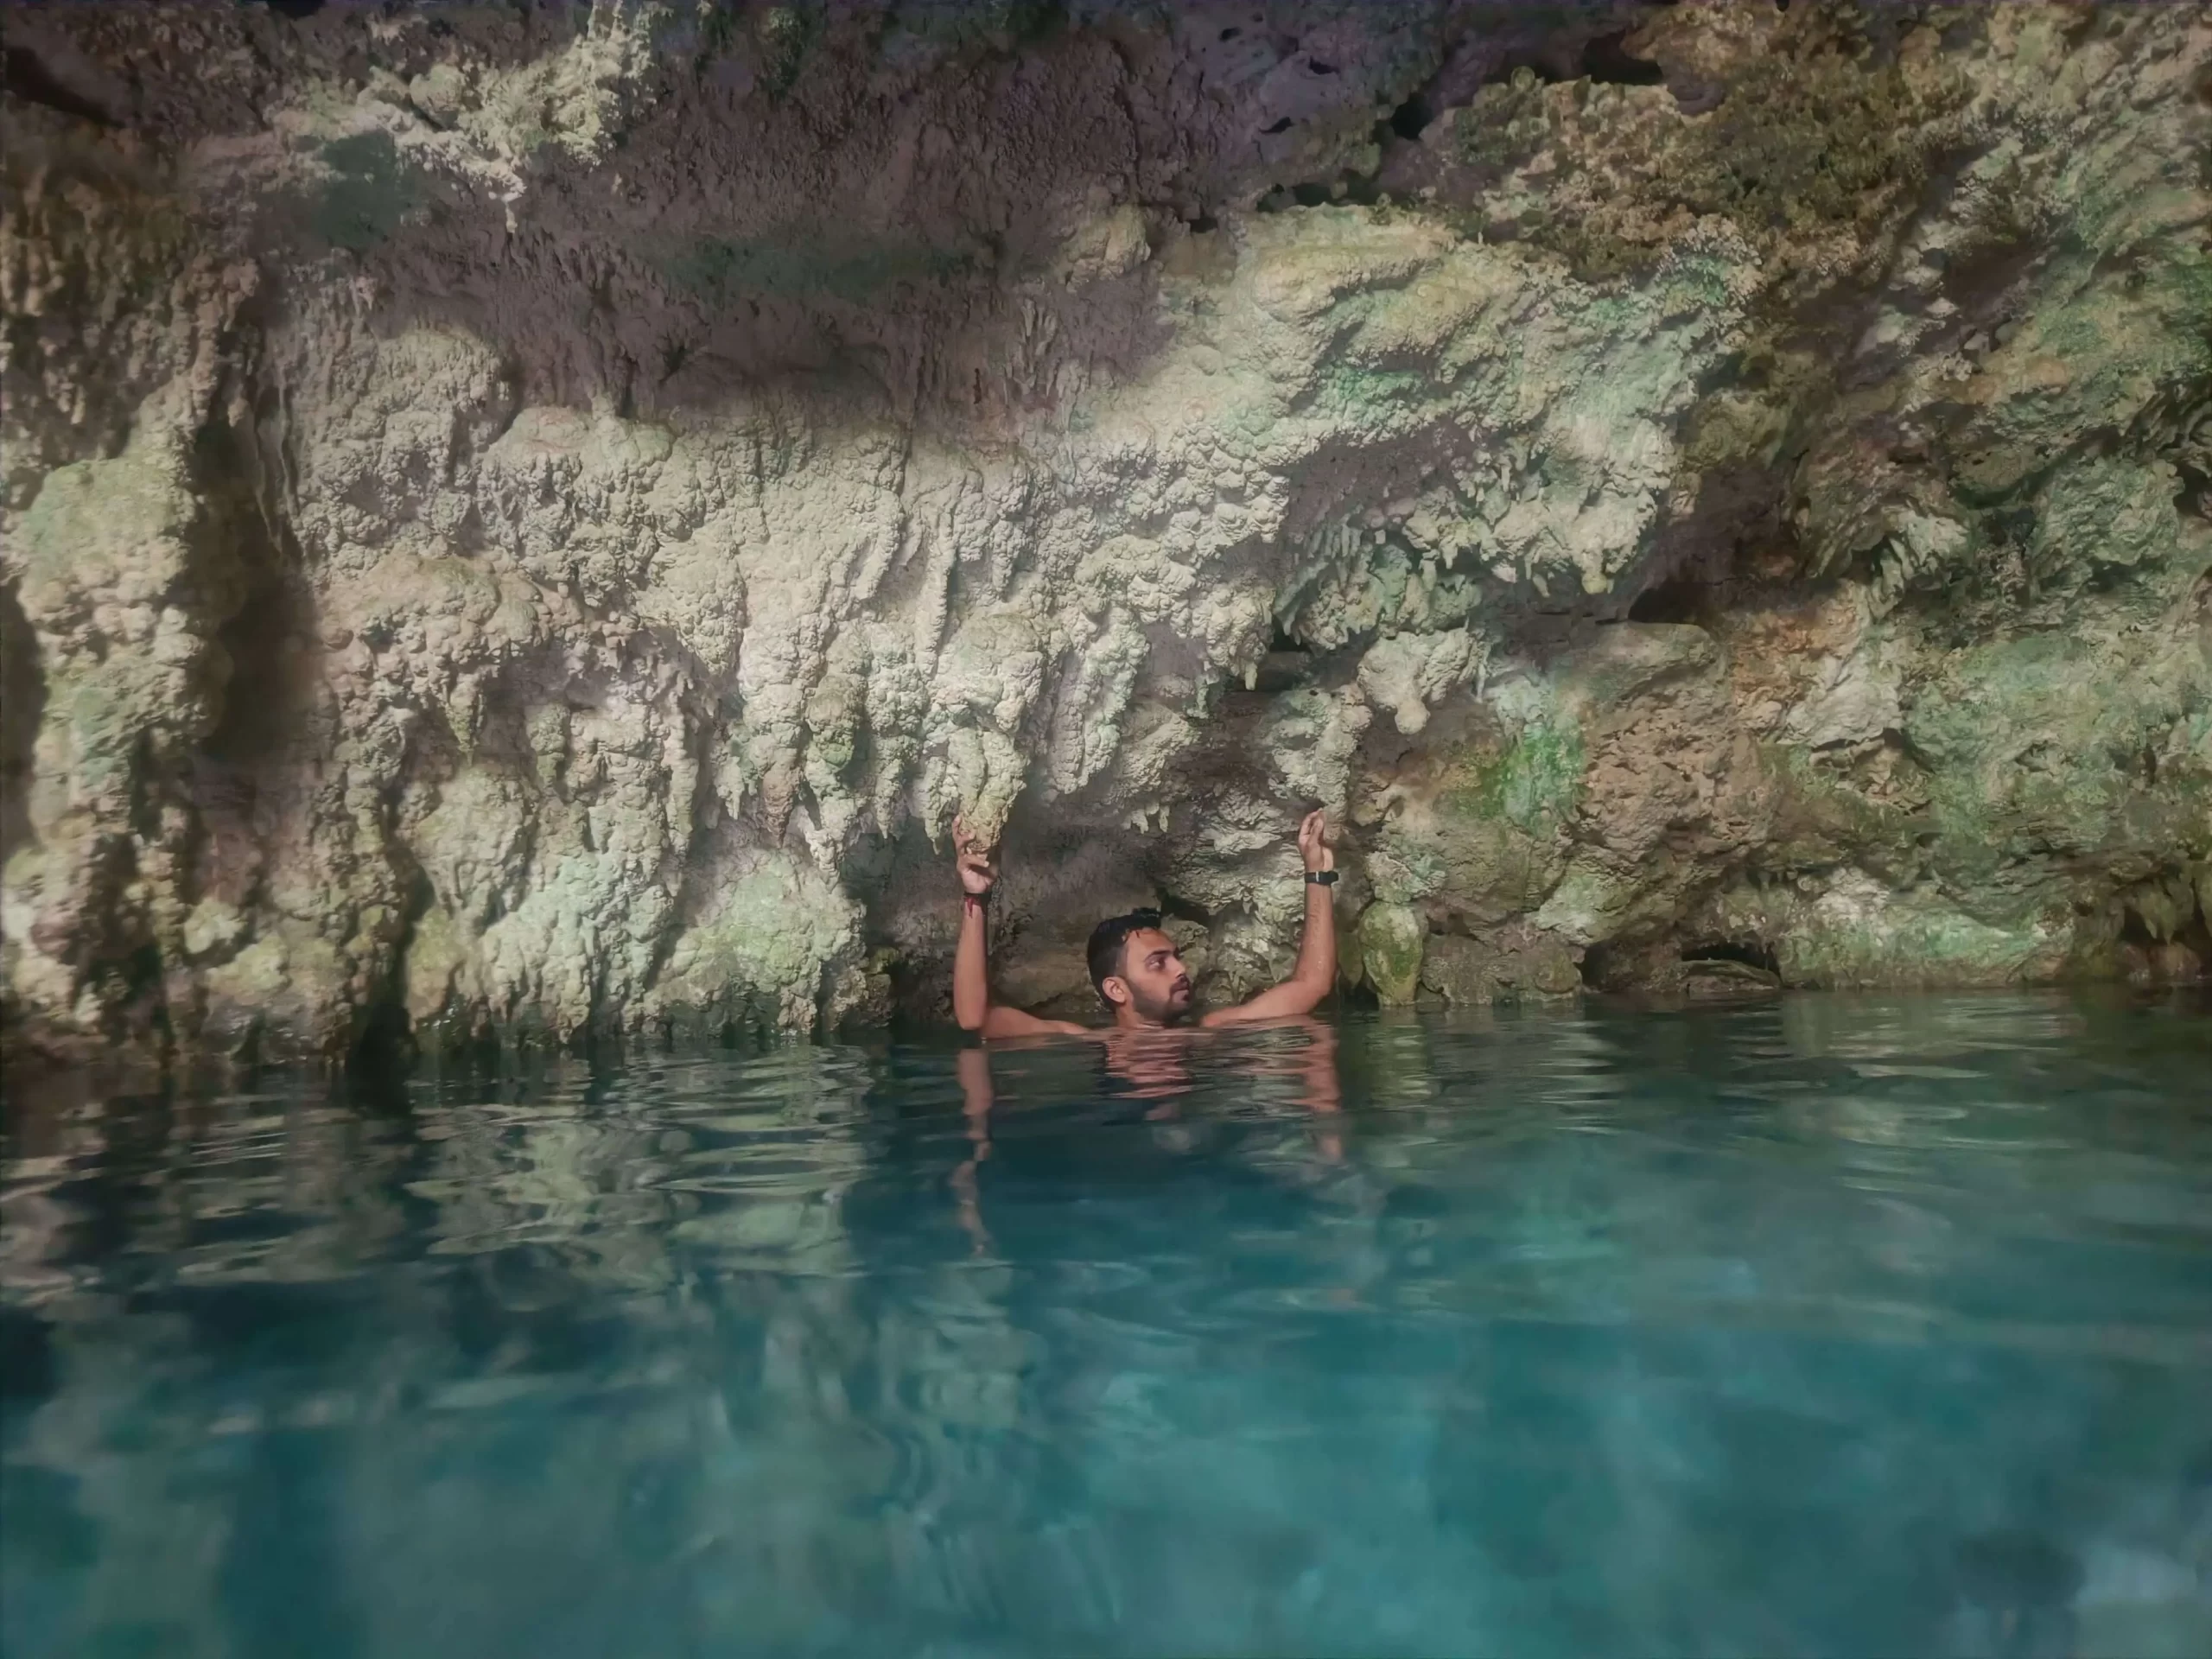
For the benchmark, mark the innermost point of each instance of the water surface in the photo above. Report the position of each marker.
(1824, 1326)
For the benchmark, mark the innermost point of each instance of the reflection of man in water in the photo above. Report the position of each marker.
(1302, 1053)
(1135, 966)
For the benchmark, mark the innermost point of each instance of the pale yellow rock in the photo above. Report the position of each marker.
(560, 530)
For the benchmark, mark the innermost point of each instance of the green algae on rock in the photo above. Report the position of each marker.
(1391, 938)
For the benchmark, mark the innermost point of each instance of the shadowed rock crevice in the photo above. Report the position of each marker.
(22, 705)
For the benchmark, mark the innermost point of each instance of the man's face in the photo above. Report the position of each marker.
(1159, 985)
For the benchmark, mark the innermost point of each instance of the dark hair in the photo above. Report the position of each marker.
(1108, 942)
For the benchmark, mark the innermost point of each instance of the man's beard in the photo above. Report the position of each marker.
(1174, 1008)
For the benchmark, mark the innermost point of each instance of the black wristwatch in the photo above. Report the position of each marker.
(1321, 878)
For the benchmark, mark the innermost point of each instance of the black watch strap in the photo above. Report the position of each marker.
(1321, 878)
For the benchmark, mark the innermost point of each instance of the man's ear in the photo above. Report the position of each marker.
(1115, 990)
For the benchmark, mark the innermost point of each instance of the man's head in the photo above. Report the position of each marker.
(1136, 969)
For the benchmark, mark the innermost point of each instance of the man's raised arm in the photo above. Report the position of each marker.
(971, 970)
(1315, 975)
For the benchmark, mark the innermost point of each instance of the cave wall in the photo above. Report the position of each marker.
(540, 517)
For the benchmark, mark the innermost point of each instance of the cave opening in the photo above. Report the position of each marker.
(382, 1049)
(28, 78)
(1677, 599)
(261, 698)
(1411, 118)
(2182, 954)
(1609, 62)
(1177, 908)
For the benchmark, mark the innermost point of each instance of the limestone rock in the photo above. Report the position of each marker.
(1516, 964)
(541, 517)
(1391, 938)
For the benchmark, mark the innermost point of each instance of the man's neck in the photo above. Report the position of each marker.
(1127, 1019)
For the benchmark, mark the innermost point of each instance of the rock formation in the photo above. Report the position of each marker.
(537, 516)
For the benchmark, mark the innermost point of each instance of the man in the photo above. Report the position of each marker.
(1135, 966)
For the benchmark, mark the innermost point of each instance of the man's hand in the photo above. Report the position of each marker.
(1315, 974)
(971, 976)
(1312, 842)
(975, 854)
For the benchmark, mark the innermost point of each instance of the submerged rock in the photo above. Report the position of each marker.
(2016, 1592)
(541, 518)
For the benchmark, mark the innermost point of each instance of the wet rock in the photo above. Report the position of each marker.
(1461, 970)
(1514, 964)
(1391, 939)
(1722, 977)
(546, 525)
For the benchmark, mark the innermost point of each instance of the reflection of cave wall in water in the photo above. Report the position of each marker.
(539, 518)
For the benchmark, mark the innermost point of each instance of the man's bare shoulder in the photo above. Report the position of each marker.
(1005, 1022)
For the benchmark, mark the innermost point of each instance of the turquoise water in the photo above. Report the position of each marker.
(1824, 1326)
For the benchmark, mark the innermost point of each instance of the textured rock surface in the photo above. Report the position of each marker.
(540, 517)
